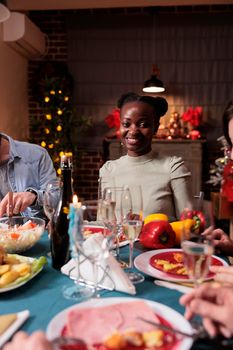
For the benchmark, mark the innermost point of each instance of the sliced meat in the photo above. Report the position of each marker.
(93, 325)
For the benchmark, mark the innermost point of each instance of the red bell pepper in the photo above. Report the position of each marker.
(157, 235)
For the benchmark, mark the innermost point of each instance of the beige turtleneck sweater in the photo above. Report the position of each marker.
(165, 181)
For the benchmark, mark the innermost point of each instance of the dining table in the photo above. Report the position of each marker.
(44, 299)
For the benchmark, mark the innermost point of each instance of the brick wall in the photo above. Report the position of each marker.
(53, 23)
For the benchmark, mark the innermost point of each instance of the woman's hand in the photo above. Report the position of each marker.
(21, 200)
(24, 341)
(214, 303)
(221, 241)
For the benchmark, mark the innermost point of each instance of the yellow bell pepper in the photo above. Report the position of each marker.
(155, 217)
(179, 226)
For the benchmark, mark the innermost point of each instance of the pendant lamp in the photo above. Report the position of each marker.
(4, 12)
(153, 85)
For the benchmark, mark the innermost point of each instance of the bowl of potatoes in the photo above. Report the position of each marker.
(19, 233)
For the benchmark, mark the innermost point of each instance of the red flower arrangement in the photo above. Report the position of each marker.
(113, 121)
(193, 116)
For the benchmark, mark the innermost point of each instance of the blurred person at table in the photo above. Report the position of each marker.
(165, 180)
(25, 170)
(222, 242)
(24, 341)
(214, 303)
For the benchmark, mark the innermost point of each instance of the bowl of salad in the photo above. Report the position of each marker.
(20, 233)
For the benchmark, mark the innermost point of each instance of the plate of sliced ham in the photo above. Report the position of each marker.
(103, 323)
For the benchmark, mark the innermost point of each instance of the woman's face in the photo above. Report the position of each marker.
(137, 127)
(230, 132)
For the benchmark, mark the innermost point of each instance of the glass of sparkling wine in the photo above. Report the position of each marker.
(131, 211)
(197, 246)
(197, 259)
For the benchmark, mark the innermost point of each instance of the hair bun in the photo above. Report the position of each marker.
(128, 97)
(161, 106)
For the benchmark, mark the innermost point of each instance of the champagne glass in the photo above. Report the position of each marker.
(111, 214)
(96, 247)
(50, 201)
(197, 246)
(131, 212)
(103, 183)
(196, 242)
(79, 291)
(51, 198)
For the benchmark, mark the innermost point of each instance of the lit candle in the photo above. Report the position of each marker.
(75, 220)
(75, 200)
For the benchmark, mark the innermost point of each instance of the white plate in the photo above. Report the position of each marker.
(21, 318)
(142, 263)
(56, 325)
(15, 285)
(98, 228)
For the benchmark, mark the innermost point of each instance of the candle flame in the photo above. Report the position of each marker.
(75, 199)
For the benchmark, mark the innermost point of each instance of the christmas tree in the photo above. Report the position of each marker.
(53, 89)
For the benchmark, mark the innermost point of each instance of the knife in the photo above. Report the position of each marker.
(10, 207)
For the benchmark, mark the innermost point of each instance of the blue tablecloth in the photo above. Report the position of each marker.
(42, 296)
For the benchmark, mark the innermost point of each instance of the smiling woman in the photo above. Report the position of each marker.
(164, 179)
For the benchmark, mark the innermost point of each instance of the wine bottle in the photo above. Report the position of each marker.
(59, 236)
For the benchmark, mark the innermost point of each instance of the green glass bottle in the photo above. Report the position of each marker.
(59, 236)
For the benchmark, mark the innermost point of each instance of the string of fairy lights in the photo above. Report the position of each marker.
(61, 123)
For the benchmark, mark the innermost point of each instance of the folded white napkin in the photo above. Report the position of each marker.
(172, 285)
(22, 316)
(109, 272)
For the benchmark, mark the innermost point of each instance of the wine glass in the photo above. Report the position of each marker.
(96, 248)
(51, 198)
(111, 215)
(103, 183)
(79, 291)
(131, 212)
(197, 246)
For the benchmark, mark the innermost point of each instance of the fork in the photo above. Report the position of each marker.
(195, 335)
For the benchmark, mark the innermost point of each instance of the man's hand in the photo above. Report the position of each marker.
(24, 341)
(214, 304)
(223, 275)
(21, 200)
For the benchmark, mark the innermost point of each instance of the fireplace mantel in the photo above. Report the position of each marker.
(190, 151)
